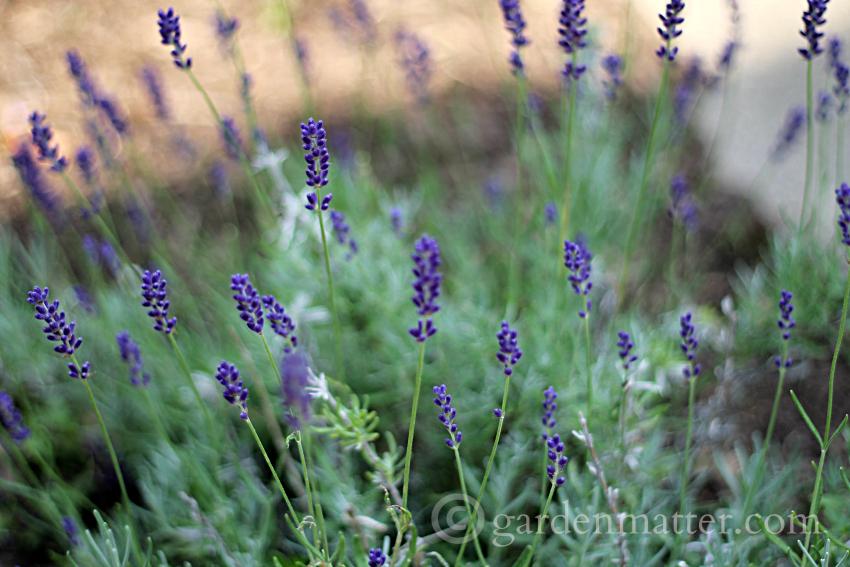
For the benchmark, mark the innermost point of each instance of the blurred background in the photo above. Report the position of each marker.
(350, 70)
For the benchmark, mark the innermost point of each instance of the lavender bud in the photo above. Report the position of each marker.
(842, 197)
(294, 379)
(682, 207)
(415, 60)
(32, 178)
(794, 123)
(11, 419)
(248, 302)
(426, 286)
(235, 391)
(813, 18)
(58, 329)
(625, 344)
(671, 19)
(132, 355)
(169, 33)
(155, 298)
(572, 31)
(41, 136)
(557, 459)
(613, 67)
(443, 400)
(549, 407)
(280, 322)
(785, 323)
(577, 260)
(509, 351)
(342, 231)
(689, 345)
(376, 557)
(153, 86)
(515, 24)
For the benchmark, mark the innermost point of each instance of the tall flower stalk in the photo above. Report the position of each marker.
(671, 19)
(842, 195)
(625, 346)
(427, 284)
(691, 371)
(577, 259)
(557, 464)
(508, 355)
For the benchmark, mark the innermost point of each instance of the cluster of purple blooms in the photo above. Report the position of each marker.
(557, 459)
(169, 33)
(153, 86)
(549, 407)
(342, 232)
(612, 64)
(415, 58)
(842, 197)
(132, 355)
(101, 253)
(727, 54)
(426, 286)
(625, 344)
(41, 137)
(823, 106)
(225, 29)
(235, 391)
(671, 19)
(682, 207)
(377, 558)
(294, 379)
(689, 345)
(58, 329)
(356, 21)
(686, 89)
(515, 24)
(785, 323)
(577, 260)
(794, 122)
(572, 32)
(813, 18)
(841, 74)
(509, 351)
(33, 179)
(11, 419)
(280, 321)
(443, 400)
(248, 302)
(155, 298)
(314, 140)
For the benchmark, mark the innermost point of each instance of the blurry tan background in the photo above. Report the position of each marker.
(468, 43)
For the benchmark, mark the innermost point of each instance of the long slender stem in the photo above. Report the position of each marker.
(566, 206)
(465, 494)
(827, 429)
(274, 472)
(637, 217)
(340, 366)
(810, 141)
(492, 459)
(411, 428)
(588, 363)
(265, 400)
(308, 487)
(513, 262)
(539, 533)
(840, 125)
(686, 464)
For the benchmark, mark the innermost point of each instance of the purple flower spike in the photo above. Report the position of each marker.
(155, 298)
(235, 391)
(415, 60)
(169, 33)
(671, 19)
(33, 179)
(689, 346)
(247, 302)
(280, 322)
(549, 407)
(557, 459)
(625, 344)
(682, 207)
(813, 18)
(377, 558)
(314, 141)
(231, 138)
(572, 31)
(342, 232)
(225, 29)
(785, 323)
(426, 286)
(58, 329)
(515, 24)
(509, 351)
(41, 137)
(11, 420)
(294, 379)
(577, 260)
(794, 122)
(153, 85)
(443, 400)
(132, 355)
(613, 67)
(842, 197)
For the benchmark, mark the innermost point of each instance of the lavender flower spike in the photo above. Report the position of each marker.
(41, 137)
(794, 123)
(247, 302)
(132, 355)
(377, 558)
(577, 260)
(557, 459)
(671, 19)
(813, 18)
(613, 66)
(235, 391)
(515, 24)
(443, 400)
(153, 85)
(342, 232)
(426, 286)
(625, 344)
(415, 60)
(314, 141)
(549, 407)
(58, 329)
(689, 346)
(509, 351)
(169, 33)
(11, 420)
(280, 322)
(842, 197)
(785, 323)
(155, 298)
(33, 179)
(294, 380)
(231, 138)
(572, 31)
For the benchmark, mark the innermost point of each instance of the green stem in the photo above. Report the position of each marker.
(827, 429)
(621, 420)
(568, 150)
(411, 428)
(538, 534)
(274, 472)
(588, 363)
(810, 140)
(840, 124)
(686, 464)
(340, 367)
(637, 217)
(465, 494)
(265, 399)
(513, 262)
(492, 459)
(771, 425)
(308, 487)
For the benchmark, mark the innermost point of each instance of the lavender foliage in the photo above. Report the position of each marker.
(155, 298)
(577, 259)
(235, 391)
(447, 415)
(426, 286)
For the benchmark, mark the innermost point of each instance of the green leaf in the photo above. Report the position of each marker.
(339, 554)
(806, 418)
